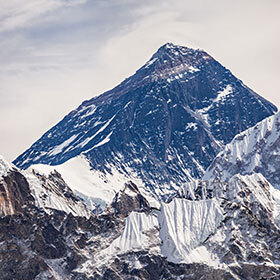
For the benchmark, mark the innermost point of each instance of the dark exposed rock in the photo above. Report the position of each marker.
(158, 268)
(82, 241)
(128, 200)
(14, 193)
(48, 243)
(15, 264)
(264, 271)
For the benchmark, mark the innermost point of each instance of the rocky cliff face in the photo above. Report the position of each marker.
(165, 124)
(14, 192)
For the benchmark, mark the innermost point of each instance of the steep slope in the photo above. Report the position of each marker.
(95, 188)
(256, 150)
(165, 124)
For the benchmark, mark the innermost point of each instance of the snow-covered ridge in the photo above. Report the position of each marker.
(140, 233)
(256, 188)
(49, 196)
(80, 177)
(256, 150)
(255, 192)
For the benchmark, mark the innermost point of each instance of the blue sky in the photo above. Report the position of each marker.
(56, 53)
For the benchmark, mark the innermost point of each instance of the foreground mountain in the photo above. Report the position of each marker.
(49, 193)
(162, 126)
(214, 229)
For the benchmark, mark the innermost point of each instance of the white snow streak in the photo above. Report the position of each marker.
(99, 130)
(104, 141)
(58, 149)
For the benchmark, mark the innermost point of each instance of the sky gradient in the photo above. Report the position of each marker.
(55, 54)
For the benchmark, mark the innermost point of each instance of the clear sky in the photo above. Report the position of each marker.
(56, 53)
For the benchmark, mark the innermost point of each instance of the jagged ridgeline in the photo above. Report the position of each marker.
(165, 124)
(222, 230)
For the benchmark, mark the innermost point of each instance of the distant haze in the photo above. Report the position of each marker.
(57, 53)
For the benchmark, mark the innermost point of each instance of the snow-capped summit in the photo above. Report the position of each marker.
(171, 60)
(163, 125)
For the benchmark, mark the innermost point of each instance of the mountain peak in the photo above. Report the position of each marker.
(171, 59)
(170, 50)
(165, 124)
(169, 63)
(170, 47)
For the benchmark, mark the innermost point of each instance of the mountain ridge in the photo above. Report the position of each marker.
(252, 151)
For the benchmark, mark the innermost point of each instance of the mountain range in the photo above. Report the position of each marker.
(173, 174)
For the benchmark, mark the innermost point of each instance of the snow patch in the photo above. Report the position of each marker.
(193, 69)
(90, 111)
(224, 93)
(5, 166)
(191, 125)
(221, 96)
(86, 141)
